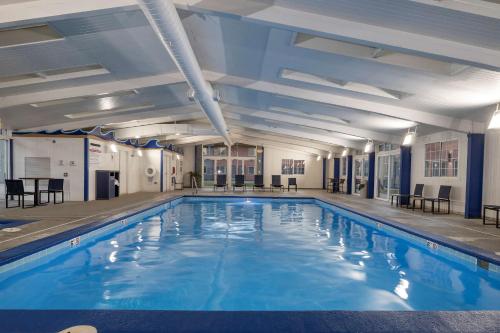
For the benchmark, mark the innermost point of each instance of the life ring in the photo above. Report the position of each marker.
(150, 171)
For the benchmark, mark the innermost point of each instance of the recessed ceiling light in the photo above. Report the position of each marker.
(28, 34)
(52, 75)
(105, 98)
(107, 112)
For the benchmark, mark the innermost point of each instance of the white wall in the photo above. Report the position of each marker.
(491, 175)
(188, 164)
(312, 178)
(66, 160)
(431, 187)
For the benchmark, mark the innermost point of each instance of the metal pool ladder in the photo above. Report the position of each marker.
(194, 185)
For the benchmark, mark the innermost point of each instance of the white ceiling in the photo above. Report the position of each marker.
(317, 74)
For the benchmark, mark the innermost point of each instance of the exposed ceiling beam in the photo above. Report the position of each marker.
(321, 124)
(35, 9)
(90, 89)
(476, 7)
(333, 27)
(162, 115)
(422, 117)
(294, 131)
(163, 129)
(283, 139)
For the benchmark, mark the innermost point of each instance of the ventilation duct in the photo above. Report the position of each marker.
(167, 24)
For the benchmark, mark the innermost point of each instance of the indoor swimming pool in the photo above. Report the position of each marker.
(208, 253)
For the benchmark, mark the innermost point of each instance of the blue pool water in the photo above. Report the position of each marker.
(258, 254)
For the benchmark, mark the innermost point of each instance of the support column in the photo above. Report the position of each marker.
(371, 176)
(349, 174)
(336, 168)
(161, 171)
(85, 169)
(405, 174)
(474, 186)
(325, 169)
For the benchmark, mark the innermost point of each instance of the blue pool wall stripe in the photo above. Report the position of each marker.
(405, 173)
(336, 168)
(474, 180)
(349, 174)
(85, 169)
(371, 175)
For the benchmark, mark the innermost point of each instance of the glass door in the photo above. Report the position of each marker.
(383, 177)
(208, 172)
(388, 168)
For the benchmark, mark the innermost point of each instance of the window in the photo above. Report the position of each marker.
(366, 165)
(387, 147)
(299, 167)
(441, 159)
(343, 167)
(215, 150)
(292, 167)
(287, 167)
(357, 168)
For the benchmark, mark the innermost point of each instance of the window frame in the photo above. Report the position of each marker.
(434, 159)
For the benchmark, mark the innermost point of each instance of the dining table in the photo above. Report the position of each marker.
(36, 200)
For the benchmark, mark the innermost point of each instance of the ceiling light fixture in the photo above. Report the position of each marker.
(318, 158)
(410, 137)
(369, 147)
(495, 119)
(330, 155)
(345, 151)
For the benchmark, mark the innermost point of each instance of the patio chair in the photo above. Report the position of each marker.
(239, 181)
(276, 182)
(55, 186)
(15, 187)
(221, 182)
(417, 193)
(341, 185)
(292, 182)
(443, 196)
(258, 182)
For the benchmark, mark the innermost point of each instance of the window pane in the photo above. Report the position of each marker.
(299, 166)
(286, 167)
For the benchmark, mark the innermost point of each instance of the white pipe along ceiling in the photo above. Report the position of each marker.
(165, 21)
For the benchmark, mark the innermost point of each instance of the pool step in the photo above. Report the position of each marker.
(79, 329)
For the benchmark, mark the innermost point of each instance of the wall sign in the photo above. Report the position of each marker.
(94, 154)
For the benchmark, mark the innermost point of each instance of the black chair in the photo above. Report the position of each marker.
(55, 186)
(292, 182)
(239, 181)
(258, 182)
(341, 185)
(221, 182)
(276, 182)
(16, 187)
(443, 196)
(417, 193)
(329, 185)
